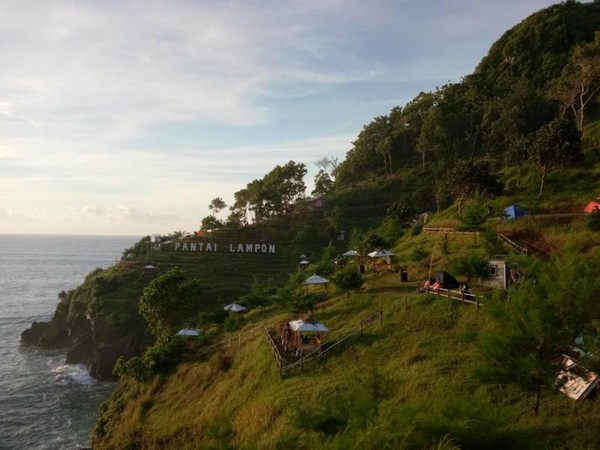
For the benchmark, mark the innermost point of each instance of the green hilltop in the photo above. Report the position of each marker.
(399, 368)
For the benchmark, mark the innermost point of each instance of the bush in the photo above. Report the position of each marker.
(593, 221)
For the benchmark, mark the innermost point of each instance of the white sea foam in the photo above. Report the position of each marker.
(77, 373)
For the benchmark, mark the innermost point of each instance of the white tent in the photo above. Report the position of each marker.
(350, 253)
(235, 308)
(308, 326)
(150, 267)
(189, 332)
(304, 262)
(316, 279)
(380, 254)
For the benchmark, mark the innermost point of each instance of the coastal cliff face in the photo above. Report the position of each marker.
(97, 322)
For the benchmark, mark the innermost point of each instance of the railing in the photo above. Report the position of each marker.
(447, 230)
(458, 295)
(274, 349)
(513, 244)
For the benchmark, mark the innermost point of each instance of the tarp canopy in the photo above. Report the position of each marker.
(316, 279)
(513, 211)
(189, 332)
(235, 307)
(380, 254)
(350, 253)
(593, 206)
(446, 280)
(308, 326)
(577, 382)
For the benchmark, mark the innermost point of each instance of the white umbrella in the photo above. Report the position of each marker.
(350, 253)
(380, 254)
(235, 307)
(316, 279)
(304, 262)
(150, 267)
(308, 326)
(189, 332)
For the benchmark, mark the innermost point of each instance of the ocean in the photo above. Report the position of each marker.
(46, 404)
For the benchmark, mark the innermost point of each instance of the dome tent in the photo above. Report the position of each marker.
(513, 211)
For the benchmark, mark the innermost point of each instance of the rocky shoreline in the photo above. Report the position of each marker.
(94, 340)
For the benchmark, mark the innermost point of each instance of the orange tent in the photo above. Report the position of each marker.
(593, 206)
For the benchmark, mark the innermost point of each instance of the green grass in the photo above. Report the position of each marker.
(407, 384)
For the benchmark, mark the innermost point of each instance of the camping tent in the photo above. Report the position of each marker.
(234, 307)
(446, 280)
(513, 211)
(593, 206)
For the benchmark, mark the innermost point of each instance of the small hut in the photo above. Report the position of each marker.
(234, 307)
(382, 260)
(577, 381)
(189, 332)
(303, 336)
(316, 280)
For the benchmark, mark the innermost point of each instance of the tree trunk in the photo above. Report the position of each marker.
(538, 398)
(544, 170)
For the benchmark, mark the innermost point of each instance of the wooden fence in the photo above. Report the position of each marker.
(317, 353)
(513, 244)
(458, 295)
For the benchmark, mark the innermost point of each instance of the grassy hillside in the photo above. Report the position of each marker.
(408, 383)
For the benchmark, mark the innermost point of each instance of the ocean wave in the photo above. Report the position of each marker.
(69, 373)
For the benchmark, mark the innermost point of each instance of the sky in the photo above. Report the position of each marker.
(123, 117)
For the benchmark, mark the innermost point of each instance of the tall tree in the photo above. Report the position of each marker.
(168, 301)
(580, 81)
(217, 205)
(470, 176)
(537, 325)
(555, 145)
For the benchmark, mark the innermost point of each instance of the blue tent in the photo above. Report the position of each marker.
(513, 211)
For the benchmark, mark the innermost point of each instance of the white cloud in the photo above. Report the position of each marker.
(92, 95)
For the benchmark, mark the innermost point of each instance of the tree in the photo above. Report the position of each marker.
(475, 214)
(211, 223)
(168, 301)
(580, 81)
(348, 280)
(470, 176)
(217, 205)
(539, 323)
(274, 193)
(323, 184)
(470, 265)
(555, 145)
